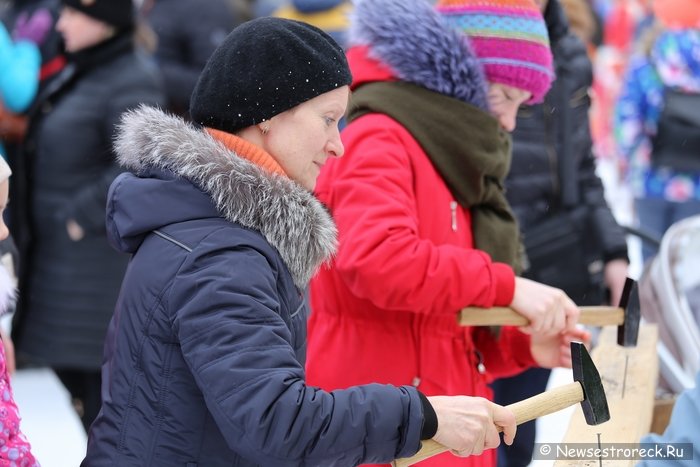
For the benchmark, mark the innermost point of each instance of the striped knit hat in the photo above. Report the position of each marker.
(509, 37)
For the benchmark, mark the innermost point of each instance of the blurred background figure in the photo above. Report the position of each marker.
(20, 65)
(16, 449)
(34, 21)
(20, 61)
(30, 24)
(264, 7)
(622, 23)
(243, 9)
(657, 123)
(571, 237)
(69, 275)
(329, 15)
(583, 22)
(187, 32)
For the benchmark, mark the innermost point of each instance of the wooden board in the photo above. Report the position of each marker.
(630, 398)
(662, 414)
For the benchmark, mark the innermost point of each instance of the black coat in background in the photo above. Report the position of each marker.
(540, 143)
(34, 20)
(188, 31)
(546, 135)
(68, 288)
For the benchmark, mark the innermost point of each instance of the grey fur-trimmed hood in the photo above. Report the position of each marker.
(290, 218)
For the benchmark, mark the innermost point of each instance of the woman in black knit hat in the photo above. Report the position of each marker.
(204, 360)
(69, 274)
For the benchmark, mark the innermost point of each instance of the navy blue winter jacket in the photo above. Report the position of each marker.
(204, 356)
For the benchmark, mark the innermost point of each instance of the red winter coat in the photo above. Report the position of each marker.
(385, 311)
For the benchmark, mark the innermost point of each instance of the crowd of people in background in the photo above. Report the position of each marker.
(486, 196)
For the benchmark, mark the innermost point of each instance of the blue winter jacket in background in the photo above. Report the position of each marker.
(672, 62)
(682, 435)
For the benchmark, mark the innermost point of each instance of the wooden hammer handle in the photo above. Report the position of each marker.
(504, 316)
(529, 409)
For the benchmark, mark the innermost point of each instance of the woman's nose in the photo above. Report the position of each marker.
(507, 119)
(335, 146)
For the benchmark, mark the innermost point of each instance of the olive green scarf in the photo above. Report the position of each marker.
(467, 147)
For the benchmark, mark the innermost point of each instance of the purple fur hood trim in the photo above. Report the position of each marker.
(412, 39)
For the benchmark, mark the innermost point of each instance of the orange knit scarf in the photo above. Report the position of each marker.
(247, 150)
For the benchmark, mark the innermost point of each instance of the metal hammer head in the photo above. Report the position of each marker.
(628, 331)
(594, 403)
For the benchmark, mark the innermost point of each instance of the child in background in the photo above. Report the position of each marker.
(662, 80)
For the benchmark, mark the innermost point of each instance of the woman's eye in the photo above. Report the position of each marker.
(329, 121)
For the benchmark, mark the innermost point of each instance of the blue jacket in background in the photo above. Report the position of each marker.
(684, 427)
(674, 62)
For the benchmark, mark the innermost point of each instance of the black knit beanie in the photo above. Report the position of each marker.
(264, 67)
(117, 13)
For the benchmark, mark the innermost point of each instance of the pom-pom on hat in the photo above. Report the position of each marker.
(118, 13)
(265, 67)
(510, 39)
(677, 14)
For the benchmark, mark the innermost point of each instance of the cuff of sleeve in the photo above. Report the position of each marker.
(430, 421)
(613, 255)
(504, 280)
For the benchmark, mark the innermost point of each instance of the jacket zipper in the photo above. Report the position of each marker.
(453, 208)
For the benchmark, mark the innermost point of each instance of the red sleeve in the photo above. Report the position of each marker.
(381, 256)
